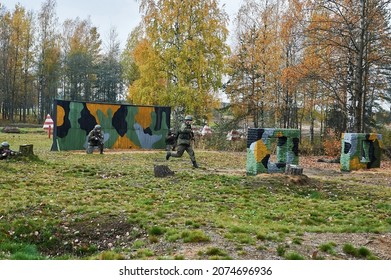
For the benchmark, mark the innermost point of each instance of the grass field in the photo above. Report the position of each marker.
(70, 205)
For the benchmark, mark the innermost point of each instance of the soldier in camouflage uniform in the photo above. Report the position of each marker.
(5, 151)
(95, 139)
(185, 135)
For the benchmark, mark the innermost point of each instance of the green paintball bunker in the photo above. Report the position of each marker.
(259, 149)
(361, 151)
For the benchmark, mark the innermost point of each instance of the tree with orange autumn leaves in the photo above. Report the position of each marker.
(295, 62)
(330, 59)
(356, 36)
(255, 63)
(16, 43)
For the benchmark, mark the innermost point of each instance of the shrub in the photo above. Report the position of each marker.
(219, 142)
(332, 144)
(386, 136)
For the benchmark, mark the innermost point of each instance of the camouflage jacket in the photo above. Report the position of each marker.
(185, 134)
(5, 153)
(171, 138)
(95, 137)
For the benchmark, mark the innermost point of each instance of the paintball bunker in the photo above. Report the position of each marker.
(124, 126)
(360, 151)
(260, 147)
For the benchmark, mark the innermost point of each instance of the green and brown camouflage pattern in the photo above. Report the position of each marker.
(361, 151)
(259, 149)
(124, 126)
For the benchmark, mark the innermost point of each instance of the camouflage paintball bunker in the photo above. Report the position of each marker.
(360, 151)
(259, 149)
(124, 126)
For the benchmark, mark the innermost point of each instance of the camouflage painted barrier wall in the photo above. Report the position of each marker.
(124, 126)
(360, 151)
(259, 149)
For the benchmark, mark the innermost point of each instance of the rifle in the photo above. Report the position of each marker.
(8, 152)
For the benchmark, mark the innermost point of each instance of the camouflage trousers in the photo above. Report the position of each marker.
(170, 147)
(90, 148)
(181, 149)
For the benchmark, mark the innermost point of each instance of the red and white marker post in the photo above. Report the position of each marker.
(48, 124)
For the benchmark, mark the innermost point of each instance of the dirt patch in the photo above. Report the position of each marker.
(83, 238)
(378, 244)
(309, 247)
(86, 237)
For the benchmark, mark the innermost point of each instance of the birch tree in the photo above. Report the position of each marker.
(48, 61)
(255, 64)
(187, 41)
(82, 54)
(359, 33)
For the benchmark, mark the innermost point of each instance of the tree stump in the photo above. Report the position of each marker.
(26, 150)
(162, 171)
(293, 169)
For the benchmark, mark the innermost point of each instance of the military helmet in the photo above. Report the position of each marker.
(5, 144)
(188, 118)
(97, 127)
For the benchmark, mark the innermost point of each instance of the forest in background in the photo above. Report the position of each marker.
(293, 63)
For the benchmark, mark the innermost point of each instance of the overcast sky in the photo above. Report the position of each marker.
(123, 15)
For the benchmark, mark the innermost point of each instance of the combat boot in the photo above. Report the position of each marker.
(195, 165)
(168, 155)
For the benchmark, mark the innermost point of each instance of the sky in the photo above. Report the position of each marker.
(123, 15)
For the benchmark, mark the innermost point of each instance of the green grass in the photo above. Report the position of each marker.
(328, 247)
(294, 256)
(194, 236)
(156, 230)
(19, 251)
(360, 253)
(214, 253)
(73, 205)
